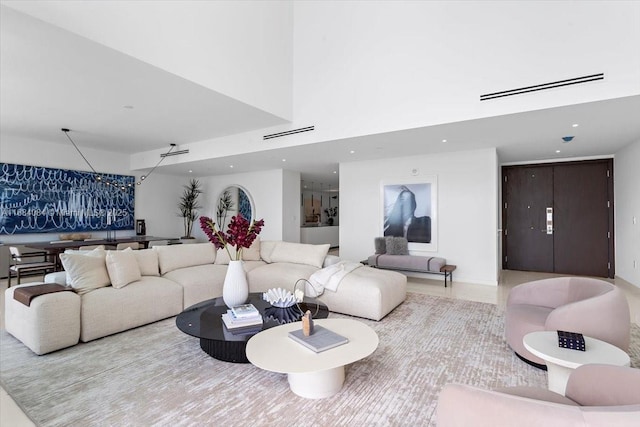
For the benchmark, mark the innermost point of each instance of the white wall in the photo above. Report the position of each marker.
(266, 190)
(240, 49)
(290, 206)
(467, 208)
(627, 207)
(155, 199)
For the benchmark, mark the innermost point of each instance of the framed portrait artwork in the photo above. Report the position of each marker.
(409, 209)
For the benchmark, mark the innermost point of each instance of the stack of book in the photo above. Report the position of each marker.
(242, 317)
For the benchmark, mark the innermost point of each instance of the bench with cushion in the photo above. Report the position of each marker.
(392, 254)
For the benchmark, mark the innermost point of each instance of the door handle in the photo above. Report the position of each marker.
(549, 229)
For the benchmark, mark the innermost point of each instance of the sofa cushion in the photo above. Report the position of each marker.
(122, 267)
(199, 282)
(367, 292)
(147, 262)
(407, 262)
(108, 310)
(251, 253)
(380, 245)
(86, 271)
(537, 393)
(300, 253)
(278, 275)
(172, 257)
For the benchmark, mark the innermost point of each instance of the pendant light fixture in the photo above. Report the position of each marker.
(162, 157)
(108, 179)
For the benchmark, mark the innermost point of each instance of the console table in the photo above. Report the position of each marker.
(54, 248)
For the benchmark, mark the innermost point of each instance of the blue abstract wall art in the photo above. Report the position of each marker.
(36, 199)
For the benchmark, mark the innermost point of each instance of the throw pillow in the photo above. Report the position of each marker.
(266, 249)
(397, 245)
(122, 267)
(86, 271)
(300, 253)
(380, 244)
(148, 262)
(252, 253)
(97, 251)
(173, 257)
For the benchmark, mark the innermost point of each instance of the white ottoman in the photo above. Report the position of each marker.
(367, 292)
(50, 323)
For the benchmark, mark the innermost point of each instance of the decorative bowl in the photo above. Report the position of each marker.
(279, 297)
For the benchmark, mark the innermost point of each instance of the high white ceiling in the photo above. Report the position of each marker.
(51, 78)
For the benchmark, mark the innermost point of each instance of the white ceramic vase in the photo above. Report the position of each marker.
(235, 290)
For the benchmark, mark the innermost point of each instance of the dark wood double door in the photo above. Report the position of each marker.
(558, 218)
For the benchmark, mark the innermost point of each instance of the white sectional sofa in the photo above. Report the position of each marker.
(145, 286)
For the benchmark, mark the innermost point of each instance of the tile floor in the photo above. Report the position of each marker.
(12, 416)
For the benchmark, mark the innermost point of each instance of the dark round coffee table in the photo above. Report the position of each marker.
(204, 321)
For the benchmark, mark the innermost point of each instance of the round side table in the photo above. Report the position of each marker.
(562, 361)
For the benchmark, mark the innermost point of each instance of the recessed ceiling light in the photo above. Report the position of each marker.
(335, 171)
(575, 125)
(284, 160)
(444, 140)
(190, 171)
(352, 152)
(231, 166)
(557, 151)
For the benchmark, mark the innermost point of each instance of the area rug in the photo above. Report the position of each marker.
(156, 375)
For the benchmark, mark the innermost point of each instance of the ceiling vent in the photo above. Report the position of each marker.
(544, 86)
(289, 132)
(174, 153)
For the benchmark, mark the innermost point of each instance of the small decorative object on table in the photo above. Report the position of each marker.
(279, 297)
(282, 315)
(571, 340)
(241, 234)
(307, 324)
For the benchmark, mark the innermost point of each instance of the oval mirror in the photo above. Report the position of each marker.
(232, 201)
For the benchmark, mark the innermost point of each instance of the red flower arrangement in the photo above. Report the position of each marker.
(240, 234)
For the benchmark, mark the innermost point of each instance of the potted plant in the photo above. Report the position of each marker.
(188, 206)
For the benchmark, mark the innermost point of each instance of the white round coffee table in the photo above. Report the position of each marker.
(312, 375)
(562, 361)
